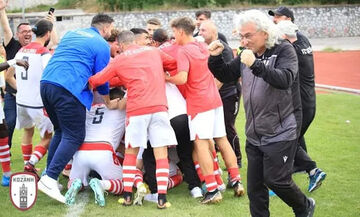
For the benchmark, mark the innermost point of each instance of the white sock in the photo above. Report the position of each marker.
(105, 184)
(33, 160)
(7, 174)
(312, 172)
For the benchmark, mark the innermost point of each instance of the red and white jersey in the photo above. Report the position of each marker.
(104, 125)
(28, 81)
(176, 102)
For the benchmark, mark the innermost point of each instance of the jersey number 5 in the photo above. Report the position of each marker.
(99, 115)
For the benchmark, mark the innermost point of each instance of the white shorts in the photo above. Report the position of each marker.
(101, 161)
(155, 127)
(30, 117)
(2, 115)
(208, 125)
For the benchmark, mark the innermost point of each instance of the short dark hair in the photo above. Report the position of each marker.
(42, 27)
(116, 92)
(101, 19)
(138, 31)
(154, 21)
(22, 24)
(207, 13)
(160, 35)
(184, 23)
(114, 34)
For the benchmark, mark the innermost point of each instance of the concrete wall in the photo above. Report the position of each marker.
(319, 22)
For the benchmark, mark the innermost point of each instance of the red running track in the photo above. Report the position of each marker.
(341, 69)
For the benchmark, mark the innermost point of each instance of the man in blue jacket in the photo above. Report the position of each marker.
(66, 96)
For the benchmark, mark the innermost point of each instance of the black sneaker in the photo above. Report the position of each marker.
(212, 197)
(127, 199)
(162, 202)
(309, 212)
(31, 169)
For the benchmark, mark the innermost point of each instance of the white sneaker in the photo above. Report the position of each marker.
(196, 192)
(50, 187)
(151, 197)
(221, 188)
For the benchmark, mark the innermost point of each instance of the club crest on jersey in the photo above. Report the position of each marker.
(23, 190)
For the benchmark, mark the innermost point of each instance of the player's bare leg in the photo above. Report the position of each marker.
(38, 153)
(230, 160)
(217, 170)
(202, 147)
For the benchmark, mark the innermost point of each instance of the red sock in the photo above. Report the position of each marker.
(5, 155)
(38, 153)
(198, 171)
(116, 186)
(210, 182)
(217, 173)
(138, 178)
(175, 181)
(234, 174)
(68, 165)
(162, 175)
(129, 171)
(26, 151)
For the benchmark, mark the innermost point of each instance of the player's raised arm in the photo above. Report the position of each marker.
(5, 22)
(105, 75)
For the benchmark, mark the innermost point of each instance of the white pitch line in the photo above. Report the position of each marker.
(351, 90)
(79, 207)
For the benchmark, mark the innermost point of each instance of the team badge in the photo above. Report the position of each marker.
(23, 190)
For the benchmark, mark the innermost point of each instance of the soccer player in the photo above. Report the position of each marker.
(104, 129)
(12, 46)
(30, 112)
(80, 54)
(179, 122)
(204, 105)
(141, 70)
(114, 45)
(229, 92)
(142, 37)
(4, 146)
(152, 24)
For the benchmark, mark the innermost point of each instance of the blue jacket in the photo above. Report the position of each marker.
(80, 54)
